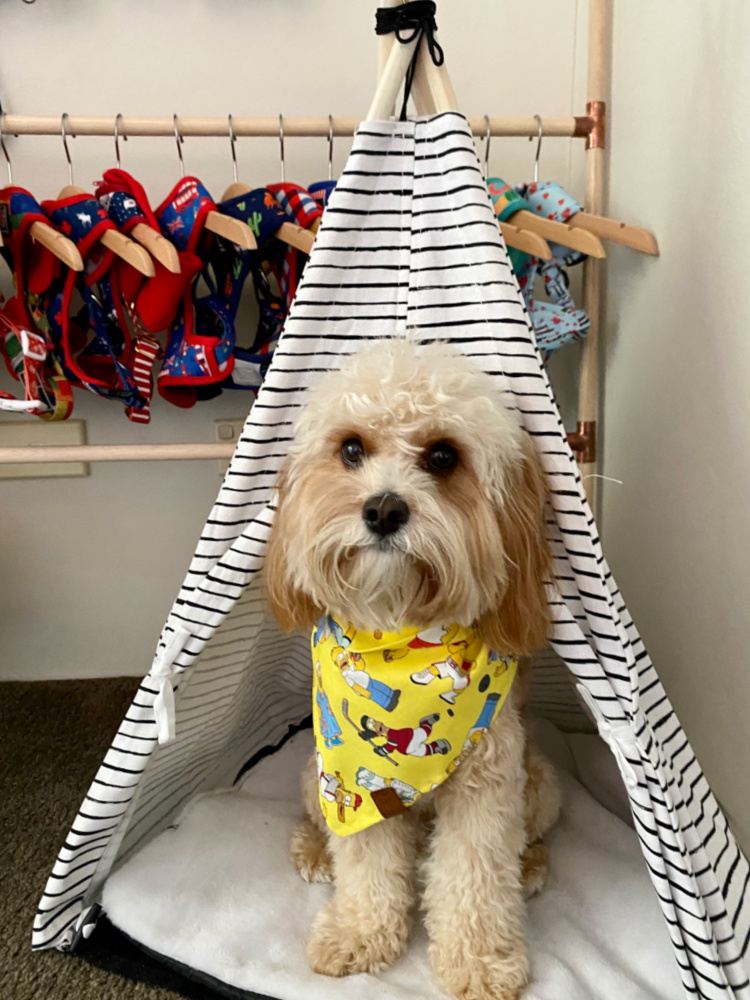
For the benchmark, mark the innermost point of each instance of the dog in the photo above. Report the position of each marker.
(412, 496)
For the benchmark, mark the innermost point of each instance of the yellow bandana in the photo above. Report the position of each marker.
(395, 713)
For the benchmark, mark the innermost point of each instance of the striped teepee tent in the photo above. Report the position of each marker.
(409, 245)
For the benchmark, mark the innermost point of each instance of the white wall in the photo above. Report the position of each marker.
(677, 402)
(89, 567)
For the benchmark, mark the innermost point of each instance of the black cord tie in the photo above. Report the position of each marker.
(418, 18)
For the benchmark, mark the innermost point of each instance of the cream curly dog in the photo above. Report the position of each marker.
(412, 496)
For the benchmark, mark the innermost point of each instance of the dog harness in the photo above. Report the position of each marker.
(557, 322)
(232, 265)
(302, 210)
(200, 351)
(95, 344)
(396, 713)
(321, 191)
(24, 335)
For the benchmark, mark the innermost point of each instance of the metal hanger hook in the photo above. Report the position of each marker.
(538, 147)
(5, 152)
(63, 118)
(118, 116)
(330, 147)
(179, 140)
(487, 137)
(281, 147)
(232, 141)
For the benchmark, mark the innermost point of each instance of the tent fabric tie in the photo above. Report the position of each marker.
(163, 671)
(418, 18)
(615, 735)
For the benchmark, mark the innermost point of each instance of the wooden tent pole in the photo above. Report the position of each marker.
(596, 90)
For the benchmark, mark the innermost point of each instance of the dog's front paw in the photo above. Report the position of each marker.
(341, 945)
(492, 977)
(310, 854)
(534, 868)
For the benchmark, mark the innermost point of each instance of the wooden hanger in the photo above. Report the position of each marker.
(294, 236)
(223, 225)
(558, 232)
(302, 237)
(114, 240)
(158, 246)
(616, 232)
(524, 239)
(577, 238)
(57, 244)
(42, 232)
(513, 235)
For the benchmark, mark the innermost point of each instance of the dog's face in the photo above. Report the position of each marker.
(411, 496)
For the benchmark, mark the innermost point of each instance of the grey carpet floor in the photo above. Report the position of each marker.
(53, 736)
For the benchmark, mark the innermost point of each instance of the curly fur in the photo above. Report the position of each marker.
(472, 552)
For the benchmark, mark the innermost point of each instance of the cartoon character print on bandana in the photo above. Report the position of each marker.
(353, 669)
(327, 627)
(332, 790)
(417, 700)
(330, 730)
(463, 649)
(478, 730)
(412, 741)
(377, 783)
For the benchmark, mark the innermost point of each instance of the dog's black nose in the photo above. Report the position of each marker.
(385, 513)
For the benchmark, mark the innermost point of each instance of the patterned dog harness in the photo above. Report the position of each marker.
(24, 333)
(200, 351)
(395, 714)
(558, 322)
(303, 211)
(127, 205)
(321, 191)
(232, 265)
(101, 364)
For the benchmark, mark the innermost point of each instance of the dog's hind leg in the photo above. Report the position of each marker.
(473, 896)
(542, 799)
(309, 847)
(365, 927)
(541, 795)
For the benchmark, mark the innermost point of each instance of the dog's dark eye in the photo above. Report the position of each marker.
(441, 458)
(352, 452)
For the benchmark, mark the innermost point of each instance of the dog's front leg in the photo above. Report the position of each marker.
(365, 926)
(473, 897)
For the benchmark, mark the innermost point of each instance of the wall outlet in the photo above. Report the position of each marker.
(227, 431)
(28, 433)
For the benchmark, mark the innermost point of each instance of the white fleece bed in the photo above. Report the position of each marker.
(218, 893)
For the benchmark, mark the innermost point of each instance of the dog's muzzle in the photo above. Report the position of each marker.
(385, 513)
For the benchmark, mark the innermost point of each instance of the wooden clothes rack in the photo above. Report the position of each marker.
(590, 127)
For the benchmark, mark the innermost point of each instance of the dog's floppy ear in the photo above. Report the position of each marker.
(292, 608)
(518, 625)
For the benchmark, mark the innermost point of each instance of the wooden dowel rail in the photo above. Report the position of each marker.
(115, 453)
(570, 127)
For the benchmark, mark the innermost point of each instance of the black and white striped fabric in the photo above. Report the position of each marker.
(409, 245)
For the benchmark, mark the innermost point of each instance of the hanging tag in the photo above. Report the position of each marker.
(614, 735)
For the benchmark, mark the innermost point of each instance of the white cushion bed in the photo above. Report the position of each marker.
(219, 894)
